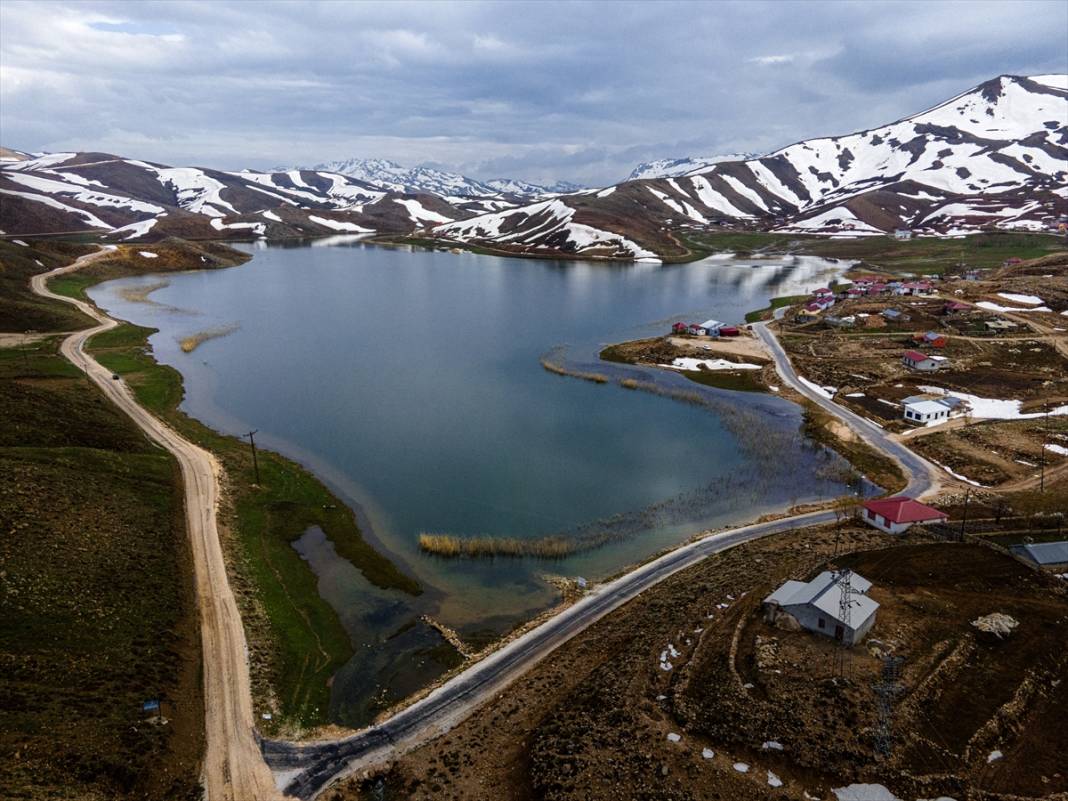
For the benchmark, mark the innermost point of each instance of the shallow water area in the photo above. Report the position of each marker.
(409, 381)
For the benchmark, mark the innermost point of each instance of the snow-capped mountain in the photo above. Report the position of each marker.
(672, 168)
(132, 199)
(394, 177)
(994, 156)
(514, 186)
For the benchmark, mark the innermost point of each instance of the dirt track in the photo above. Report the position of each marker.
(234, 769)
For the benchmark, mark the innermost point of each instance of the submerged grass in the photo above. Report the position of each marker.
(193, 341)
(559, 369)
(450, 545)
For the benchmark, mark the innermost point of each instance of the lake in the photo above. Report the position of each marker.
(409, 381)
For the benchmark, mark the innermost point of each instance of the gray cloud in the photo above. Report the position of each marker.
(541, 91)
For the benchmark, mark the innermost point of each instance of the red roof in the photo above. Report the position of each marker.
(915, 355)
(901, 509)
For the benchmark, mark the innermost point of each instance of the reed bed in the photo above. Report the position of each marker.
(190, 343)
(139, 294)
(452, 546)
(559, 369)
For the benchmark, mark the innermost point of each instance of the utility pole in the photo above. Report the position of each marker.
(1045, 439)
(964, 517)
(255, 462)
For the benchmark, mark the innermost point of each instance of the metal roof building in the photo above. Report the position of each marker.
(817, 605)
(1044, 554)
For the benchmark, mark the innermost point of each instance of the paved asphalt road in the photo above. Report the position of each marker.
(307, 769)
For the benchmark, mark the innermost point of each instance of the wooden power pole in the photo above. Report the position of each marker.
(255, 462)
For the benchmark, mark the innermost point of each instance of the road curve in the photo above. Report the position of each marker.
(311, 768)
(920, 473)
(234, 769)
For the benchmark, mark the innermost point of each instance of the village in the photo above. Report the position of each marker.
(968, 368)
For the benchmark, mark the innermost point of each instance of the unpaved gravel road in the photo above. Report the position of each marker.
(234, 769)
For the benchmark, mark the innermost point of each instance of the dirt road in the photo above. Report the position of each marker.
(234, 769)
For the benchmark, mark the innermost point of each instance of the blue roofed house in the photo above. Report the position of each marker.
(817, 605)
(1047, 555)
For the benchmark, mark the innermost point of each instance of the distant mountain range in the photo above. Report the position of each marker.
(395, 178)
(673, 168)
(995, 156)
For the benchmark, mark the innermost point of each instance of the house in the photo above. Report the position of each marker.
(729, 331)
(920, 288)
(932, 338)
(840, 322)
(712, 327)
(1000, 325)
(915, 360)
(817, 605)
(902, 234)
(810, 312)
(895, 515)
(1048, 555)
(919, 409)
(954, 307)
(680, 328)
(696, 330)
(895, 316)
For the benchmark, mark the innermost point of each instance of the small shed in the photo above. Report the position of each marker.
(895, 316)
(895, 515)
(932, 338)
(680, 328)
(902, 234)
(729, 331)
(915, 360)
(954, 307)
(697, 330)
(1047, 555)
(817, 605)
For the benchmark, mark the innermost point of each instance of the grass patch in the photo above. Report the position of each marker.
(768, 311)
(20, 308)
(97, 612)
(737, 380)
(879, 469)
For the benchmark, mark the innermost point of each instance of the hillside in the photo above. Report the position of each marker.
(994, 157)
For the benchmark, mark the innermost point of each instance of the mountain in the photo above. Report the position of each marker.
(397, 178)
(131, 199)
(513, 186)
(995, 156)
(672, 168)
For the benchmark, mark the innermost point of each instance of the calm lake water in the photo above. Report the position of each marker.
(410, 382)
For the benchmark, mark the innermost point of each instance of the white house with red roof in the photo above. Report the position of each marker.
(916, 360)
(895, 515)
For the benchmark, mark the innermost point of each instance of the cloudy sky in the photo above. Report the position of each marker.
(541, 91)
